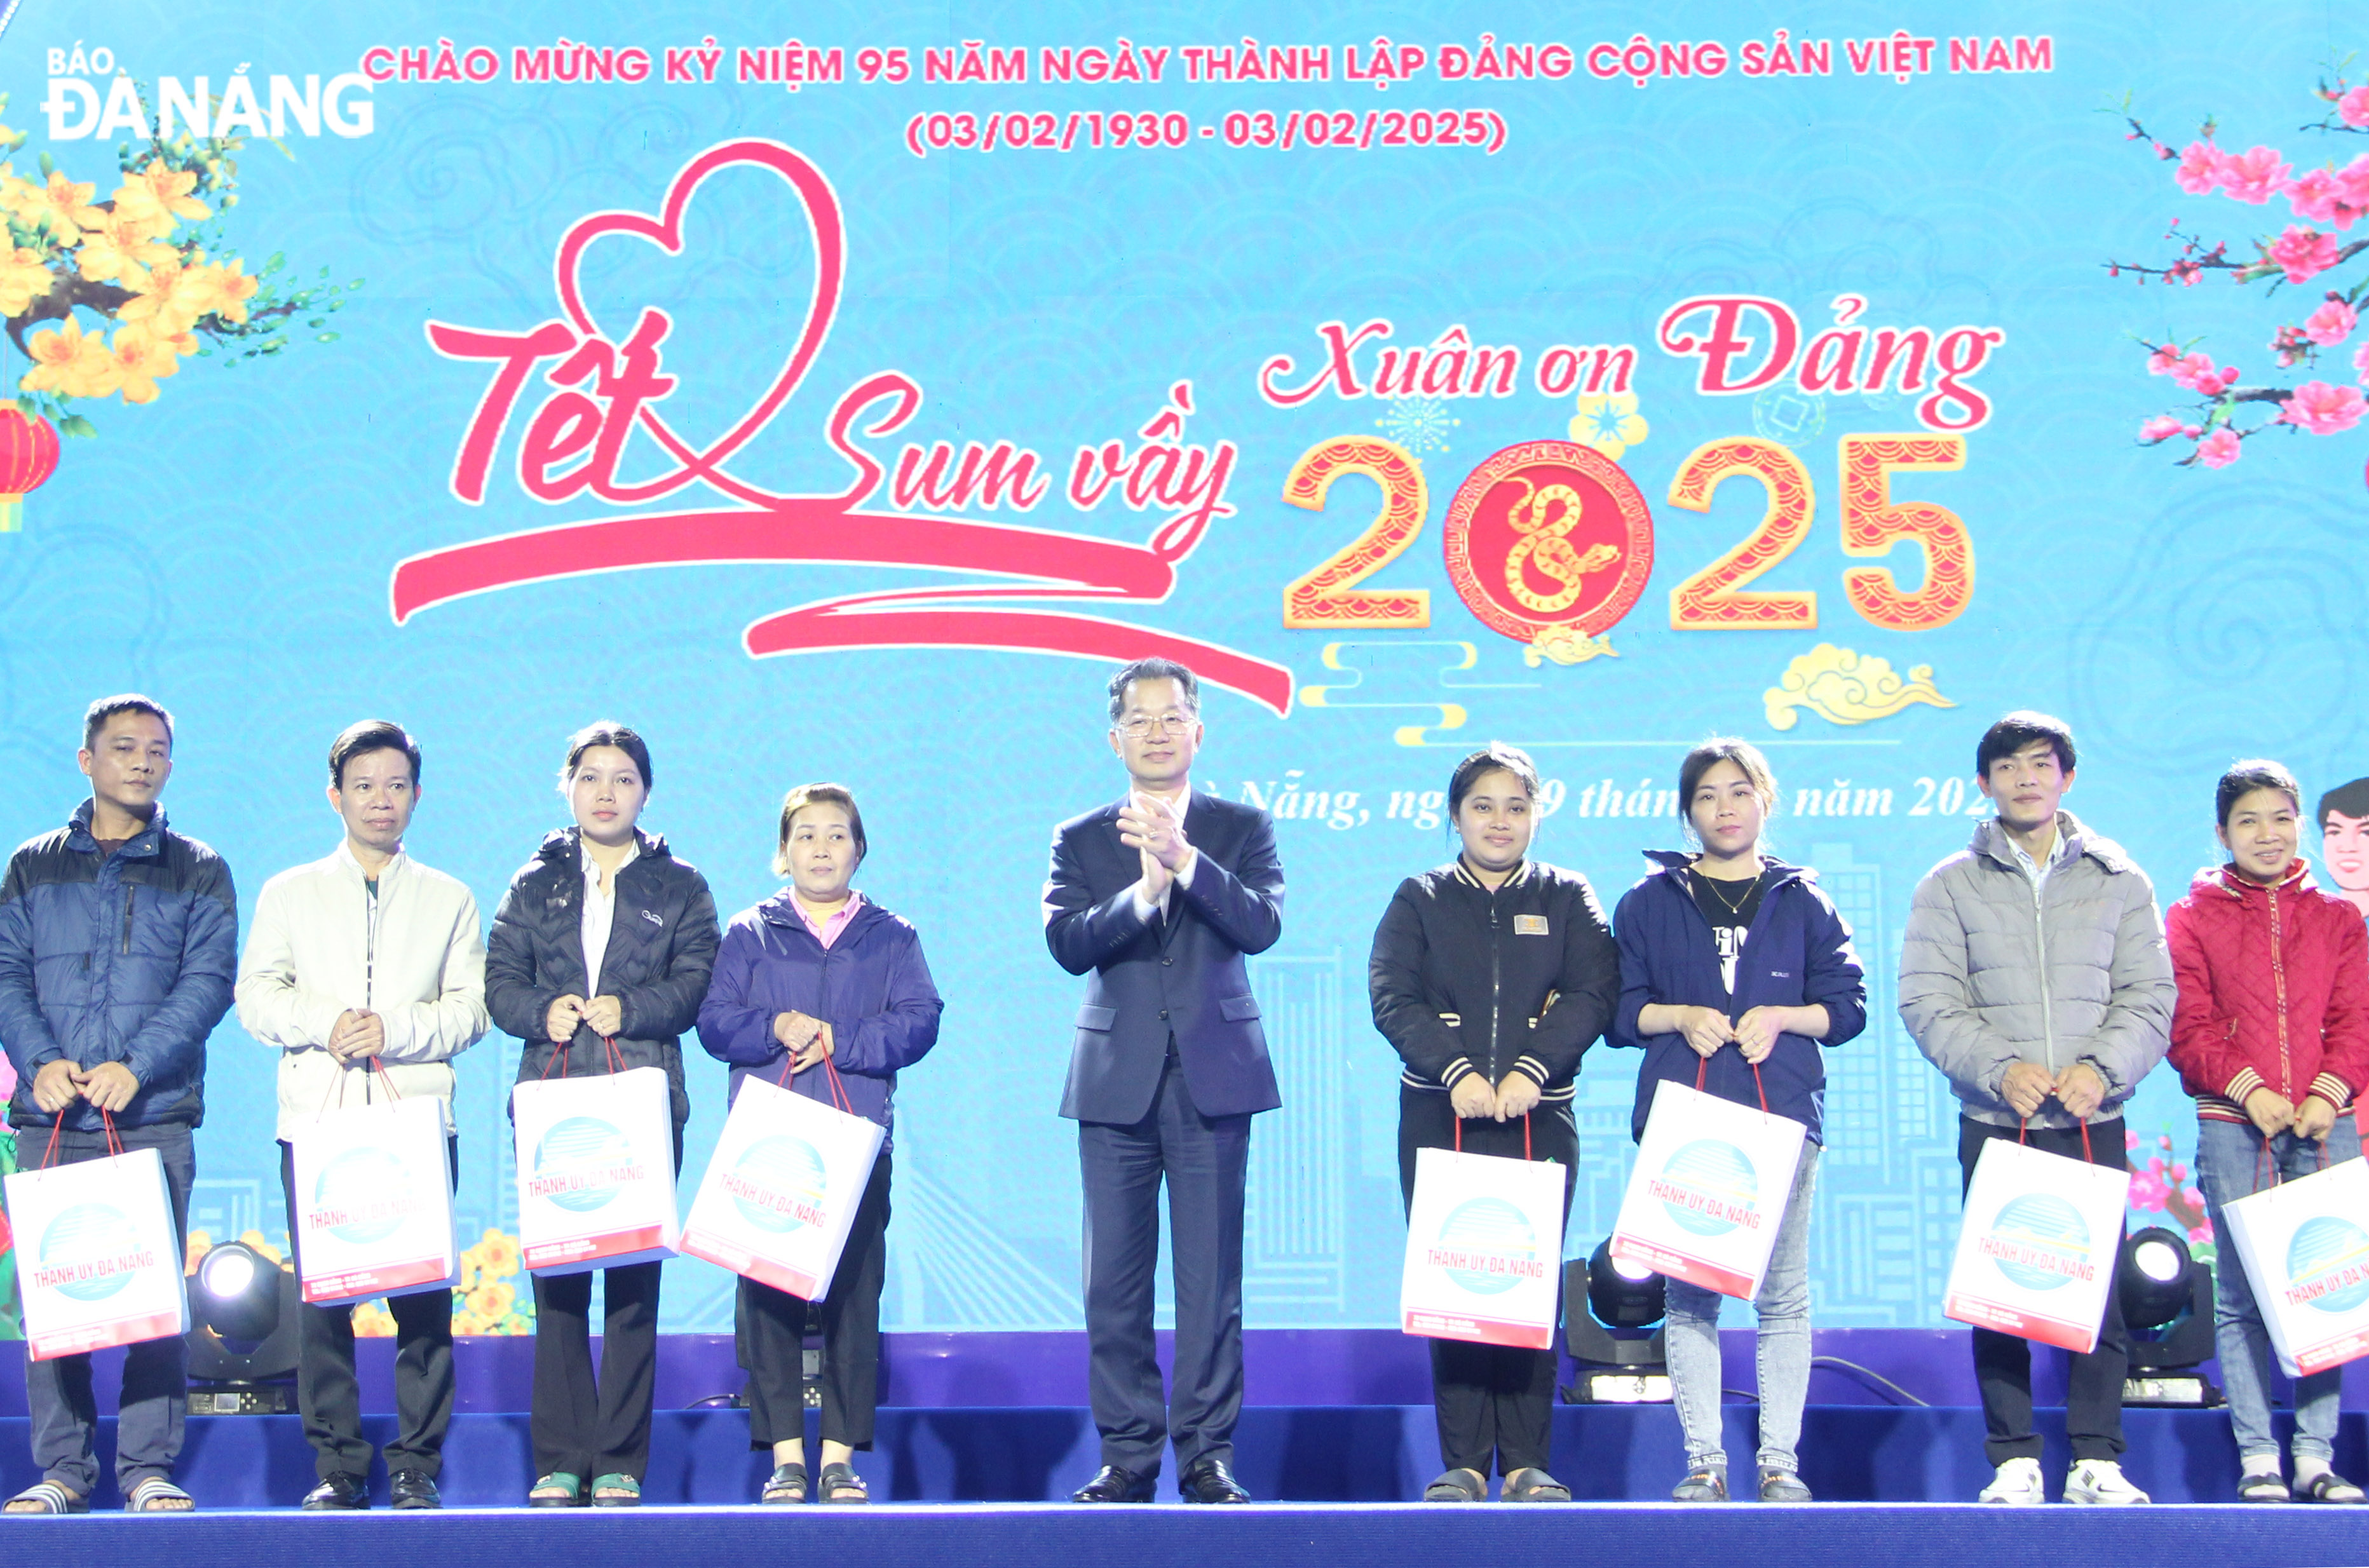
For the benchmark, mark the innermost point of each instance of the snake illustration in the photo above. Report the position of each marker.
(1554, 553)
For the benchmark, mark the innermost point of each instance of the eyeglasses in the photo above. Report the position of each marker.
(1136, 728)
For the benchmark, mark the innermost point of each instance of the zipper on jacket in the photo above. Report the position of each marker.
(2039, 936)
(2279, 979)
(127, 916)
(1496, 984)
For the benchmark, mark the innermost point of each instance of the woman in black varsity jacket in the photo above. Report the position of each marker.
(1490, 976)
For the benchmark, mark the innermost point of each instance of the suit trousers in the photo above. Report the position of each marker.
(2093, 1395)
(1204, 1160)
(1491, 1401)
(329, 1397)
(769, 1330)
(155, 1399)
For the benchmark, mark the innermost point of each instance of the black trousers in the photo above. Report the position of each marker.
(1204, 1160)
(2093, 1398)
(769, 1330)
(1494, 1401)
(588, 1424)
(330, 1400)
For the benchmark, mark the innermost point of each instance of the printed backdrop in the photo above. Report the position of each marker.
(842, 405)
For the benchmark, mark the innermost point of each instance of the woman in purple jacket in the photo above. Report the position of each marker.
(1734, 971)
(818, 974)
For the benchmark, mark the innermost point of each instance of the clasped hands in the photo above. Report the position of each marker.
(1473, 1098)
(1707, 1029)
(808, 1040)
(2311, 1119)
(1151, 827)
(2078, 1089)
(604, 1015)
(108, 1086)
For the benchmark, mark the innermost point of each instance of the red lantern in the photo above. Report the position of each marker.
(28, 455)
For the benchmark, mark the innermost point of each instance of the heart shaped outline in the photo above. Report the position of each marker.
(821, 203)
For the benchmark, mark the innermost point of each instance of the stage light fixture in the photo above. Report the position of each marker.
(2167, 1303)
(241, 1338)
(1618, 1364)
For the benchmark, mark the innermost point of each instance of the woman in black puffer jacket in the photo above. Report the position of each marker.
(604, 944)
(1491, 974)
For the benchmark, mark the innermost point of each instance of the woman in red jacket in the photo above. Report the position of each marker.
(2272, 1036)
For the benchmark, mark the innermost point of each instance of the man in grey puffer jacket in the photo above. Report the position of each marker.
(2034, 975)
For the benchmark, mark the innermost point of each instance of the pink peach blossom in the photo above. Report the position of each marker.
(2353, 107)
(2255, 174)
(2201, 167)
(2361, 362)
(2201, 1235)
(2157, 429)
(2313, 195)
(2164, 361)
(2218, 450)
(2352, 192)
(2324, 410)
(2304, 253)
(2332, 323)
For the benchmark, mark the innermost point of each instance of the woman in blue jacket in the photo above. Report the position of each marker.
(1735, 968)
(818, 974)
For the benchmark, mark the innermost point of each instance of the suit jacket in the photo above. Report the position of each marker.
(1183, 976)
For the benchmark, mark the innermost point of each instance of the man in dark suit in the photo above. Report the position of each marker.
(1168, 1067)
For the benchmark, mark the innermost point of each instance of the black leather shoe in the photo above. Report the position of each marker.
(1114, 1483)
(1209, 1481)
(343, 1492)
(415, 1488)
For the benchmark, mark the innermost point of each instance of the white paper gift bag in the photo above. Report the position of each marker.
(374, 1202)
(595, 1170)
(99, 1261)
(2306, 1252)
(1484, 1249)
(2038, 1246)
(1709, 1190)
(782, 1192)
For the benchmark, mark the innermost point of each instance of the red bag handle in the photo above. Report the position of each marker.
(1525, 1135)
(2023, 1135)
(57, 1128)
(1702, 1066)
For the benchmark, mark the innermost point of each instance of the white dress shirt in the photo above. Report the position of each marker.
(600, 914)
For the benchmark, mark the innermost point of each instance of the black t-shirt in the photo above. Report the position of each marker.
(1729, 907)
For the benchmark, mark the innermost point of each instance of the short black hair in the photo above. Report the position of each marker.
(1711, 754)
(2352, 799)
(1154, 669)
(1494, 757)
(2245, 777)
(371, 735)
(94, 717)
(2018, 730)
(606, 732)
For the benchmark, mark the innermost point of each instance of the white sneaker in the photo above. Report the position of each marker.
(2101, 1481)
(2017, 1483)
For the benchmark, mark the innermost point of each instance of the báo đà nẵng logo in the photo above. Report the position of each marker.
(779, 1183)
(2038, 1241)
(363, 1195)
(1709, 1188)
(1487, 1246)
(581, 1163)
(89, 1252)
(2327, 1265)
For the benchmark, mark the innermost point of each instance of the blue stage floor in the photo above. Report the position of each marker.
(1864, 1536)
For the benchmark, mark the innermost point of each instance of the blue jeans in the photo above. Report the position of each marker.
(2230, 1165)
(1781, 1348)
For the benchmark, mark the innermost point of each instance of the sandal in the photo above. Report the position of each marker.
(49, 1498)
(2262, 1486)
(1708, 1485)
(837, 1480)
(616, 1490)
(158, 1495)
(2329, 1487)
(1457, 1486)
(1533, 1486)
(788, 1484)
(558, 1490)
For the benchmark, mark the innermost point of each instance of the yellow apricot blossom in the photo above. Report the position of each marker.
(160, 191)
(24, 278)
(68, 363)
(62, 206)
(170, 296)
(118, 248)
(222, 289)
(143, 357)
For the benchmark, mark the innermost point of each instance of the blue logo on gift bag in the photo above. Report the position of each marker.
(89, 1252)
(2038, 1241)
(1709, 1188)
(1486, 1246)
(778, 1184)
(2327, 1265)
(581, 1163)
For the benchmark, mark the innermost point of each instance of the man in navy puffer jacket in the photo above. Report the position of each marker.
(119, 945)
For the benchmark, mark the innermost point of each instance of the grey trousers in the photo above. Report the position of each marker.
(155, 1397)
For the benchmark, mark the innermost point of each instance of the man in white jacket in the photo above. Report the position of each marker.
(366, 961)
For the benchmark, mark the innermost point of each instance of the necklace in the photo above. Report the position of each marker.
(1734, 906)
